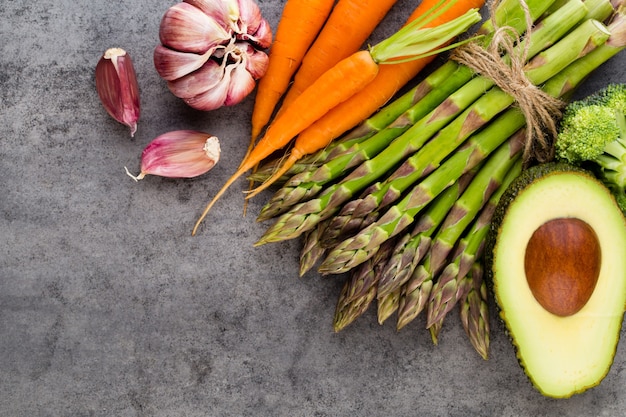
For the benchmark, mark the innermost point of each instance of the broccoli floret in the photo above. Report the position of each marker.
(592, 133)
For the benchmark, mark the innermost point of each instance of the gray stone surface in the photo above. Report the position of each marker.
(108, 307)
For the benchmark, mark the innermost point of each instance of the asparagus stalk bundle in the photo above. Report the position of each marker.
(367, 281)
(410, 250)
(439, 85)
(418, 288)
(423, 150)
(401, 204)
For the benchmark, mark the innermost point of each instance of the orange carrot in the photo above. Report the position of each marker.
(351, 112)
(341, 82)
(347, 28)
(298, 27)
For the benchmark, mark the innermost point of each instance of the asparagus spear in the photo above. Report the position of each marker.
(474, 311)
(446, 291)
(305, 215)
(489, 179)
(486, 181)
(311, 251)
(508, 13)
(346, 313)
(357, 249)
(360, 289)
(414, 294)
(388, 304)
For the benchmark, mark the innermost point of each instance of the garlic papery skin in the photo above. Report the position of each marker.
(179, 154)
(117, 86)
(186, 28)
(226, 84)
(216, 96)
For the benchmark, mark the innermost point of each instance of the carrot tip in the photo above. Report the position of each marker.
(217, 196)
(291, 160)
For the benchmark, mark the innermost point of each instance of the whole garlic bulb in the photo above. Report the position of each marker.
(212, 51)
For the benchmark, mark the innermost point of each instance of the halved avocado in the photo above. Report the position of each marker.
(556, 263)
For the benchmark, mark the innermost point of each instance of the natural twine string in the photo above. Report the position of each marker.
(540, 109)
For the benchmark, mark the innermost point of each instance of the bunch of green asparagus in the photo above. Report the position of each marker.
(402, 204)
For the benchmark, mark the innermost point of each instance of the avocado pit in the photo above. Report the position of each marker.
(562, 264)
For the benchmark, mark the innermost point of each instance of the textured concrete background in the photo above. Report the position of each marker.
(108, 307)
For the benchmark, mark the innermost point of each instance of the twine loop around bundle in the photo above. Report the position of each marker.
(541, 110)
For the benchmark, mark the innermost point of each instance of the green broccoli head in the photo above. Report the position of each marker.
(586, 129)
(592, 133)
(614, 96)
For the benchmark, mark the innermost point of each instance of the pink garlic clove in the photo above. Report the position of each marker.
(214, 97)
(263, 35)
(186, 28)
(116, 84)
(249, 16)
(256, 61)
(171, 64)
(217, 10)
(251, 24)
(198, 81)
(241, 84)
(179, 154)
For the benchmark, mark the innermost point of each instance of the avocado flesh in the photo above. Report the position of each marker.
(562, 356)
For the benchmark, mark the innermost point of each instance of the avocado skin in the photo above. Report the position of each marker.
(524, 180)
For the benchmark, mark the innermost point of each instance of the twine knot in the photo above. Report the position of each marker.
(503, 61)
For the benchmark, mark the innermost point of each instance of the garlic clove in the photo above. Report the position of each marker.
(263, 35)
(241, 84)
(186, 28)
(256, 61)
(251, 24)
(214, 97)
(179, 154)
(249, 16)
(198, 81)
(212, 8)
(171, 64)
(116, 84)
